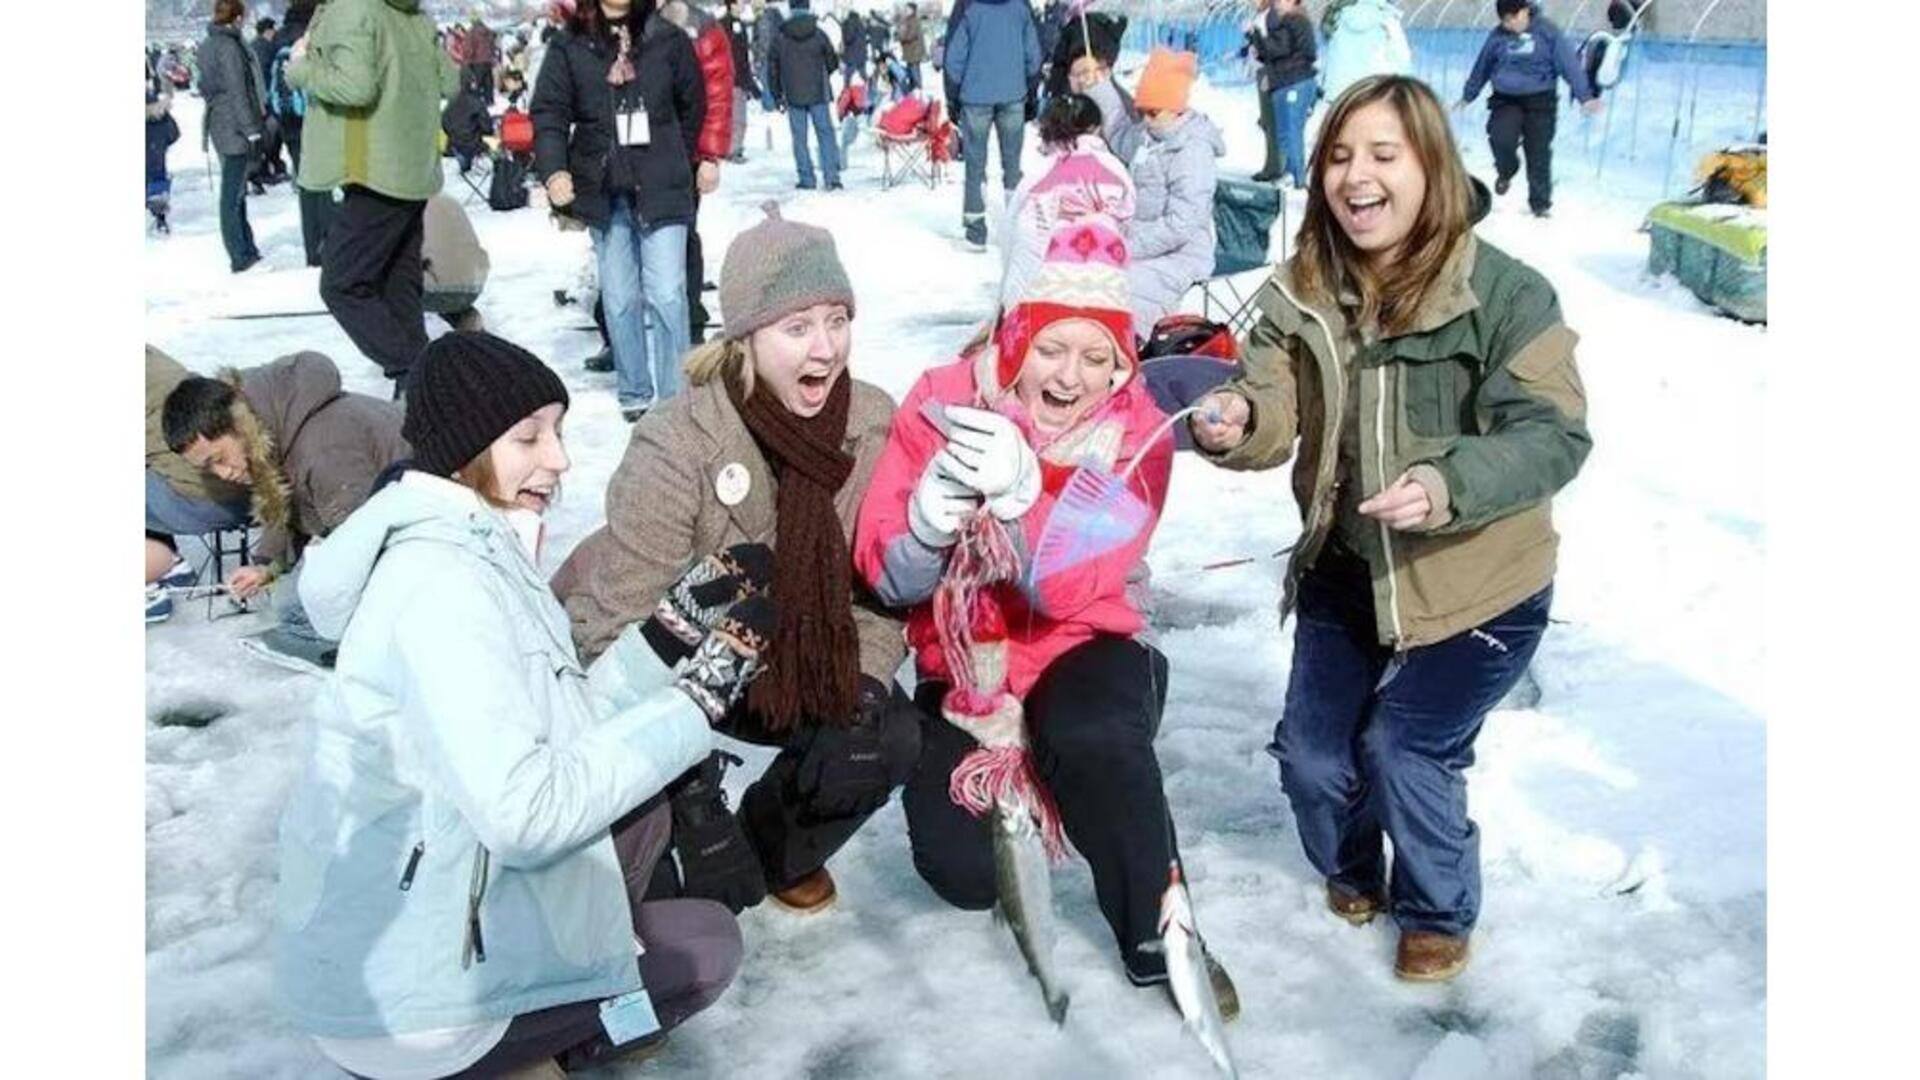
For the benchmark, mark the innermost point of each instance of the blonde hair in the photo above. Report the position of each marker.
(1327, 259)
(715, 359)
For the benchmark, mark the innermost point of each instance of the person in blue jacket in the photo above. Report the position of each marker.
(993, 57)
(1523, 58)
(465, 857)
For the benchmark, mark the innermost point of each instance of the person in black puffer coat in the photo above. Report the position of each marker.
(799, 68)
(616, 119)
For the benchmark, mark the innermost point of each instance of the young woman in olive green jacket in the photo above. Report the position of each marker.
(1427, 385)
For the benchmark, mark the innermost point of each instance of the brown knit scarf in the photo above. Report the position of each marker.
(813, 662)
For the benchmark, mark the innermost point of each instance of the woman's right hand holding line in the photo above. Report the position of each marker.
(1220, 424)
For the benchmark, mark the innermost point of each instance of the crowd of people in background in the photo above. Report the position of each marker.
(532, 761)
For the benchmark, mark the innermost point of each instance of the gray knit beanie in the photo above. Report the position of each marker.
(776, 268)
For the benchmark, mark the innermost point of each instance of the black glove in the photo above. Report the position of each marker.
(716, 860)
(850, 771)
(694, 603)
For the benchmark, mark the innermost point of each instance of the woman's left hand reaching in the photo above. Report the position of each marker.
(987, 452)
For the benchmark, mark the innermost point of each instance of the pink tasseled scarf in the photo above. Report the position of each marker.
(973, 639)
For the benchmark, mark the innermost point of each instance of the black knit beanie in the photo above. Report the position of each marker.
(1505, 8)
(465, 390)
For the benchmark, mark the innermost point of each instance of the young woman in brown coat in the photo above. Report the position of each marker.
(763, 461)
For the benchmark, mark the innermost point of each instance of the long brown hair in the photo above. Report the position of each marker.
(588, 20)
(1327, 260)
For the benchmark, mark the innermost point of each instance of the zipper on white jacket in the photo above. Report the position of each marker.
(474, 948)
(1386, 533)
(413, 864)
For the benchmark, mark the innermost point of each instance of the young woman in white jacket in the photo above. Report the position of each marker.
(463, 860)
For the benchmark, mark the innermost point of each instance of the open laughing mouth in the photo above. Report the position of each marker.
(536, 498)
(1057, 409)
(1366, 211)
(814, 387)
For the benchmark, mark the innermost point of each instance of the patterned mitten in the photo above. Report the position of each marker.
(683, 616)
(728, 658)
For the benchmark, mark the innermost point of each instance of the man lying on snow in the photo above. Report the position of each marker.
(1048, 648)
(308, 453)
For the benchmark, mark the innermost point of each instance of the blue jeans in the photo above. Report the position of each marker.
(175, 514)
(1009, 123)
(235, 232)
(1374, 743)
(821, 117)
(643, 287)
(1291, 105)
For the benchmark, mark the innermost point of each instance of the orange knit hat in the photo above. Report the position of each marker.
(1165, 83)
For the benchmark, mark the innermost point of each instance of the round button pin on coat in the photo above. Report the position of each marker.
(732, 484)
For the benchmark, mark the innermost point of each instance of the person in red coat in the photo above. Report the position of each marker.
(714, 50)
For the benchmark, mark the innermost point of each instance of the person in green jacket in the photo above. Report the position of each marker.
(374, 79)
(1427, 382)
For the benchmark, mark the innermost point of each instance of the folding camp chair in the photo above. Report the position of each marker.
(920, 155)
(1243, 217)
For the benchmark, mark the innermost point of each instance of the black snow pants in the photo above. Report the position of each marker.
(1091, 720)
(370, 277)
(790, 837)
(1528, 121)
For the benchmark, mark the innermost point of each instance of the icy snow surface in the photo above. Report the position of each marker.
(1622, 815)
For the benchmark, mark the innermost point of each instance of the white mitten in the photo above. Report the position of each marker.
(938, 505)
(987, 452)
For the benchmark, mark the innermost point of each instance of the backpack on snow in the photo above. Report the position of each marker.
(507, 190)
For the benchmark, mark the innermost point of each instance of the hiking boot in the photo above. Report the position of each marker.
(1266, 176)
(810, 895)
(159, 604)
(977, 235)
(601, 361)
(1358, 910)
(1543, 212)
(805, 185)
(1501, 184)
(1425, 956)
(632, 415)
(835, 185)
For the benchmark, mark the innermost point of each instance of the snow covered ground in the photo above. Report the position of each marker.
(1623, 815)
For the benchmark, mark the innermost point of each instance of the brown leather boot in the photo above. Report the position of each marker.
(811, 894)
(1358, 910)
(1425, 956)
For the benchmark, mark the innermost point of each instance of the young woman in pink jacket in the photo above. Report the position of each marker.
(1053, 386)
